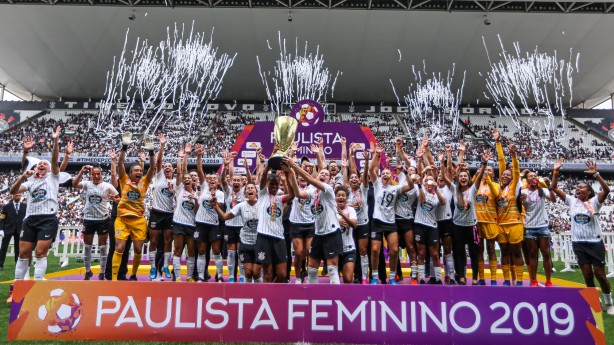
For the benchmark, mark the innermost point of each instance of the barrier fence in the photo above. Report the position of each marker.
(69, 245)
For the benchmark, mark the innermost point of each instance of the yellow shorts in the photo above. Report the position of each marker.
(489, 231)
(511, 233)
(133, 227)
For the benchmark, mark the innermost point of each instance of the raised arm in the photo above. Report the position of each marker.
(18, 187)
(298, 170)
(442, 200)
(500, 155)
(67, 152)
(113, 156)
(126, 141)
(76, 182)
(344, 152)
(149, 147)
(28, 144)
(605, 189)
(365, 171)
(182, 165)
(290, 181)
(515, 165)
(199, 163)
(55, 154)
(480, 173)
(443, 169)
(162, 140)
(352, 159)
(555, 177)
(218, 209)
(461, 154)
(248, 174)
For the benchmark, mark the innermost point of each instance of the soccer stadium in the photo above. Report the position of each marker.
(307, 171)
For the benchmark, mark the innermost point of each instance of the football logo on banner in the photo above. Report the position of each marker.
(307, 112)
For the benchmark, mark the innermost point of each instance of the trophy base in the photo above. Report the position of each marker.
(275, 162)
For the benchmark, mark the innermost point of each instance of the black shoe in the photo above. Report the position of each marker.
(133, 278)
(324, 273)
(88, 275)
(303, 275)
(1, 268)
(219, 279)
(432, 280)
(121, 277)
(422, 281)
(356, 281)
(100, 276)
(452, 282)
(207, 276)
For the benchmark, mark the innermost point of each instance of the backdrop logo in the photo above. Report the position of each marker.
(61, 313)
(307, 112)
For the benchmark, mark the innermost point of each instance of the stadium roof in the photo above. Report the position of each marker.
(65, 51)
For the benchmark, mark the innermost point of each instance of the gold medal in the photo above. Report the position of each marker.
(272, 218)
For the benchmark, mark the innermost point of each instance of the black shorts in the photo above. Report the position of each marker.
(404, 225)
(39, 228)
(301, 231)
(182, 229)
(99, 227)
(361, 231)
(207, 232)
(345, 258)
(426, 235)
(270, 250)
(589, 253)
(377, 226)
(445, 228)
(326, 246)
(247, 253)
(160, 220)
(231, 234)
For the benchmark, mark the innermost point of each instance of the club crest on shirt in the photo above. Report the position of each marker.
(417, 237)
(95, 199)
(252, 224)
(261, 256)
(167, 192)
(582, 218)
(481, 199)
(38, 194)
(226, 238)
(277, 212)
(196, 234)
(316, 211)
(241, 257)
(187, 205)
(133, 195)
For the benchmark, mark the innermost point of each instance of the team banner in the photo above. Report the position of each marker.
(364, 314)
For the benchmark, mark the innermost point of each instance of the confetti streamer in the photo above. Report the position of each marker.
(184, 70)
(296, 77)
(433, 104)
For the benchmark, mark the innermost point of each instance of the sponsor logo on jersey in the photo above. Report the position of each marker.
(167, 192)
(277, 212)
(481, 199)
(582, 218)
(503, 203)
(133, 195)
(38, 194)
(187, 205)
(95, 199)
(427, 206)
(403, 197)
(207, 204)
(252, 224)
(316, 211)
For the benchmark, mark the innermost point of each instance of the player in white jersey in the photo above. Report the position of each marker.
(301, 228)
(161, 213)
(184, 217)
(247, 211)
(384, 222)
(536, 232)
(96, 214)
(270, 248)
(426, 232)
(586, 236)
(40, 225)
(357, 200)
(234, 194)
(444, 216)
(465, 221)
(327, 243)
(348, 221)
(208, 227)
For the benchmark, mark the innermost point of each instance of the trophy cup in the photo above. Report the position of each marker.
(284, 131)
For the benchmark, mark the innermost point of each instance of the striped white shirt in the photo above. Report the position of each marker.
(206, 213)
(385, 201)
(358, 198)
(266, 203)
(535, 208)
(163, 197)
(232, 200)
(584, 223)
(185, 212)
(300, 213)
(404, 205)
(426, 212)
(43, 195)
(465, 215)
(347, 233)
(97, 200)
(249, 214)
(444, 212)
(324, 209)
